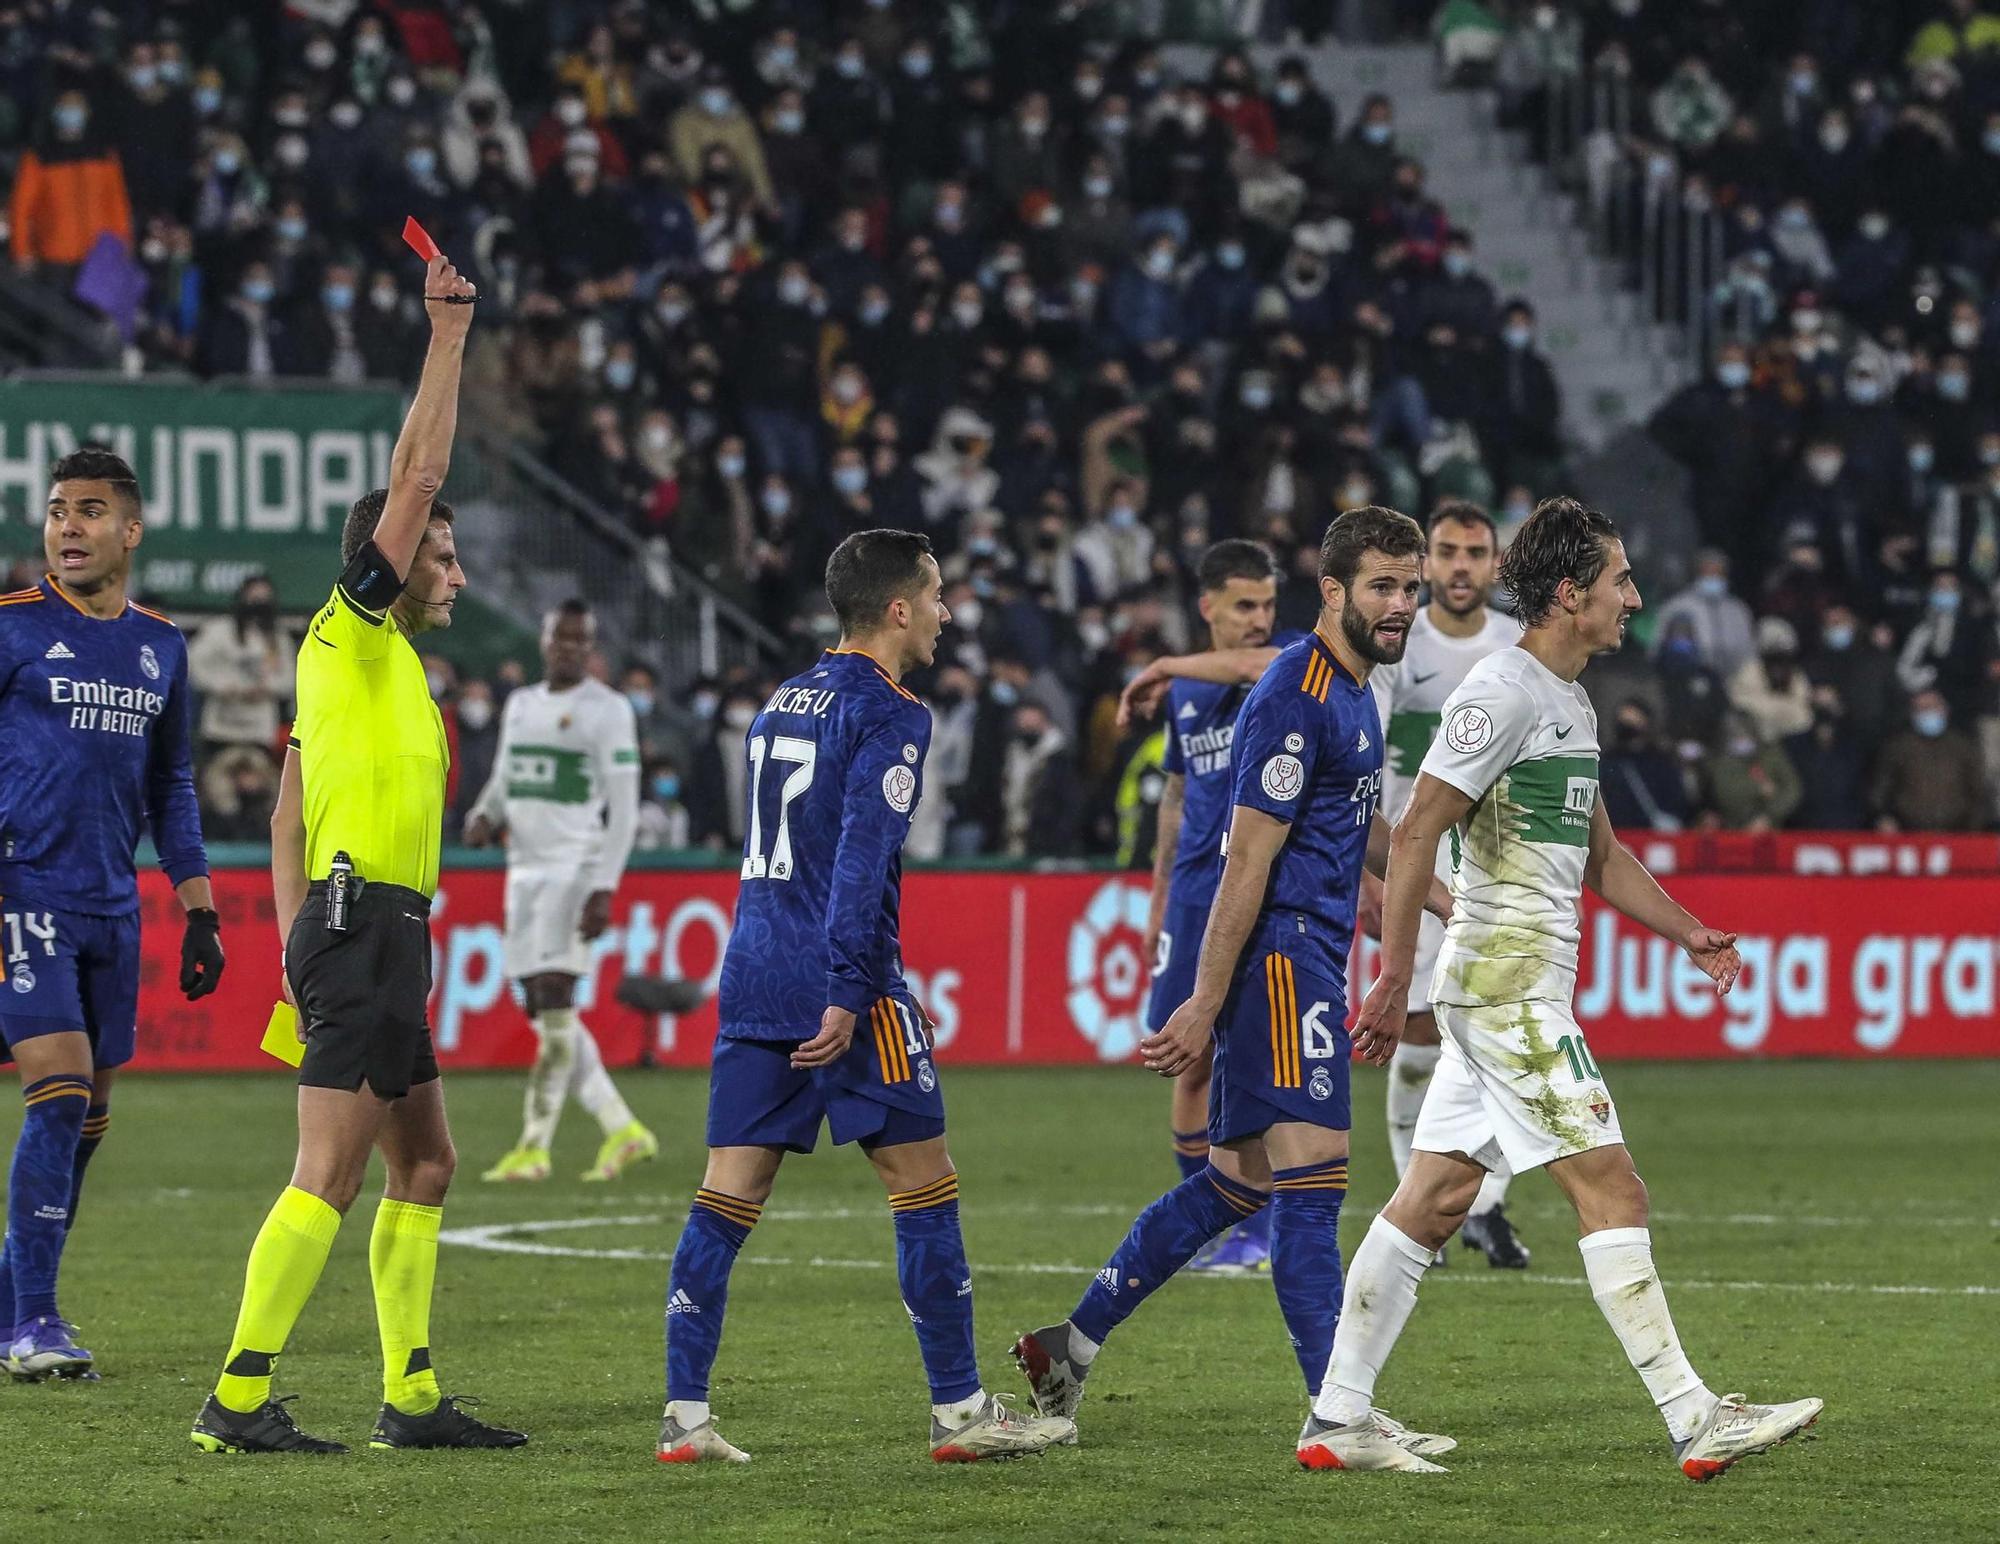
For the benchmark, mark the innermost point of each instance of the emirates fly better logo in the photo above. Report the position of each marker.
(1107, 969)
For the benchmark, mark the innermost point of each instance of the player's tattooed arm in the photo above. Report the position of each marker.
(1623, 882)
(1254, 841)
(1166, 839)
(1223, 667)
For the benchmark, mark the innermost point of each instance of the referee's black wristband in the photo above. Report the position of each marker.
(204, 916)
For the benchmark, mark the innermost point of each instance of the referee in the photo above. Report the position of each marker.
(354, 860)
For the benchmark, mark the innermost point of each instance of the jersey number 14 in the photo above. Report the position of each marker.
(799, 755)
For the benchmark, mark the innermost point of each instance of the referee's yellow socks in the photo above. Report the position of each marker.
(402, 1260)
(285, 1263)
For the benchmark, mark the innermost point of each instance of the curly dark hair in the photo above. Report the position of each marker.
(1371, 528)
(1560, 540)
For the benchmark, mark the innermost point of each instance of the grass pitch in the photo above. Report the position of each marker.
(1822, 1229)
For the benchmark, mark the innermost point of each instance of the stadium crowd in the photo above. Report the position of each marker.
(757, 275)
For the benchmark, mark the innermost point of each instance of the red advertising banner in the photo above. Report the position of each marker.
(1048, 968)
(1851, 854)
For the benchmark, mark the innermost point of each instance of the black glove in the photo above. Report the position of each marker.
(201, 953)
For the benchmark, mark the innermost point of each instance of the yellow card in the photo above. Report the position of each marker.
(281, 1035)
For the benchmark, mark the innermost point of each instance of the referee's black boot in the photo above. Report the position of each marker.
(447, 1426)
(268, 1429)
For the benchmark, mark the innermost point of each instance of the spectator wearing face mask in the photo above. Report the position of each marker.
(1643, 785)
(583, 231)
(1832, 769)
(1041, 796)
(1146, 309)
(151, 123)
(478, 118)
(1221, 294)
(1928, 776)
(1115, 551)
(1732, 438)
(664, 824)
(69, 189)
(1826, 502)
(1868, 265)
(957, 481)
(1799, 589)
(241, 664)
(1366, 160)
(715, 794)
(478, 741)
(1950, 647)
(553, 134)
(1303, 117)
(1772, 690)
(243, 335)
(1717, 622)
(1749, 784)
(714, 117)
(1859, 664)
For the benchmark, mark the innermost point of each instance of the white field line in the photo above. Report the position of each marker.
(499, 1238)
(1123, 1209)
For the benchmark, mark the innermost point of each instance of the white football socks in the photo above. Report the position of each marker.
(591, 1086)
(1381, 1290)
(1619, 1263)
(1492, 1190)
(955, 1415)
(1410, 1072)
(549, 1078)
(688, 1413)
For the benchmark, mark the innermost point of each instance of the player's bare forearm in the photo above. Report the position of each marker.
(196, 894)
(1437, 899)
(422, 455)
(1166, 842)
(1435, 806)
(1254, 841)
(1624, 884)
(288, 847)
(1224, 667)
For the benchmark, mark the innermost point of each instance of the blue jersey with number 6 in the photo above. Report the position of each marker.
(1309, 751)
(835, 769)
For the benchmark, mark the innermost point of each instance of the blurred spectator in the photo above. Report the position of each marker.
(1949, 648)
(1644, 788)
(1717, 622)
(715, 793)
(1928, 776)
(1772, 691)
(241, 664)
(663, 818)
(1041, 796)
(69, 189)
(1731, 436)
(1832, 769)
(478, 741)
(1749, 783)
(1859, 665)
(238, 790)
(1524, 422)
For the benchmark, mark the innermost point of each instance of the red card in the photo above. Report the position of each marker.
(419, 240)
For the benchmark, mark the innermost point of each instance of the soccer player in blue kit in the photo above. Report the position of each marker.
(1238, 585)
(1271, 981)
(93, 745)
(835, 769)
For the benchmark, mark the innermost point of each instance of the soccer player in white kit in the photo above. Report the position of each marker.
(565, 787)
(1454, 631)
(1512, 779)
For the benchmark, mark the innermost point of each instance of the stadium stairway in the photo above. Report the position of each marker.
(1614, 367)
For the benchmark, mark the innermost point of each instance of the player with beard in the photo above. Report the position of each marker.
(1456, 630)
(1270, 987)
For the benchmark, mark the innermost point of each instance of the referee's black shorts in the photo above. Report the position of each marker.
(362, 993)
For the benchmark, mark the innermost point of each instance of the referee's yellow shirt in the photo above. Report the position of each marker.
(372, 748)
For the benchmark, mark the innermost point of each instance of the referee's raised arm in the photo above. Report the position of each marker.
(423, 449)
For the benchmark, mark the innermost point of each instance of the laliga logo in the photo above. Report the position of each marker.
(1107, 976)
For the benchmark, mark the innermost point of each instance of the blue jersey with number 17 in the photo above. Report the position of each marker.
(836, 765)
(1309, 751)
